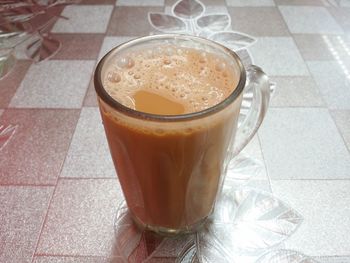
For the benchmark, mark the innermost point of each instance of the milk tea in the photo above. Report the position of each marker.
(170, 171)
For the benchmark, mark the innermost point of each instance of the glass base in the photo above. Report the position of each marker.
(247, 225)
(168, 232)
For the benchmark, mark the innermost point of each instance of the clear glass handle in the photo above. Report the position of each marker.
(257, 90)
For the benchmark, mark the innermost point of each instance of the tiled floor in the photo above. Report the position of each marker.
(88, 155)
(58, 189)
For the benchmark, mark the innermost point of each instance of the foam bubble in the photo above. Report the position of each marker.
(220, 66)
(113, 76)
(166, 61)
(125, 62)
(197, 79)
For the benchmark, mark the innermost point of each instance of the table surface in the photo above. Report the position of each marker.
(58, 189)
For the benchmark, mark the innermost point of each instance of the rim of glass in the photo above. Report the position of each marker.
(103, 94)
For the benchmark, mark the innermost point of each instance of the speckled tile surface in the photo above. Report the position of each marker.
(72, 46)
(332, 76)
(130, 21)
(111, 42)
(296, 92)
(258, 21)
(10, 83)
(90, 99)
(326, 224)
(64, 88)
(279, 56)
(22, 214)
(36, 151)
(65, 259)
(80, 220)
(140, 3)
(58, 187)
(311, 20)
(342, 120)
(250, 2)
(294, 138)
(313, 47)
(88, 155)
(84, 19)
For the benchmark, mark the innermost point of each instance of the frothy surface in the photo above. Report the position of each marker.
(169, 80)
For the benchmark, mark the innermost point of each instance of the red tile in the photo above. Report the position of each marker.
(22, 212)
(11, 82)
(48, 19)
(131, 21)
(90, 97)
(35, 153)
(81, 218)
(78, 46)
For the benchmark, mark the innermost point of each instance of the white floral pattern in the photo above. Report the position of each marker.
(191, 17)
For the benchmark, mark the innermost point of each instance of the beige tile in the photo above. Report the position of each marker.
(342, 16)
(54, 84)
(309, 20)
(250, 2)
(278, 56)
(140, 3)
(324, 205)
(301, 2)
(131, 21)
(303, 143)
(84, 19)
(313, 47)
(342, 120)
(64, 259)
(296, 92)
(88, 155)
(205, 2)
(22, 213)
(333, 81)
(80, 219)
(258, 21)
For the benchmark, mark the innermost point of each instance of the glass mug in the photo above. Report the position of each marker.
(171, 167)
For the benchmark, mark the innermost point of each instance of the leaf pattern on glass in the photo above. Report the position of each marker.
(166, 23)
(6, 134)
(233, 40)
(188, 9)
(188, 255)
(245, 56)
(245, 221)
(210, 246)
(22, 13)
(42, 48)
(127, 235)
(241, 169)
(12, 39)
(171, 247)
(214, 22)
(285, 256)
(18, 23)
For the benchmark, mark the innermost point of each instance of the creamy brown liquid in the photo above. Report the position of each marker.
(169, 171)
(169, 80)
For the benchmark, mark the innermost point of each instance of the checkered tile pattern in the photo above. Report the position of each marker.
(58, 188)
